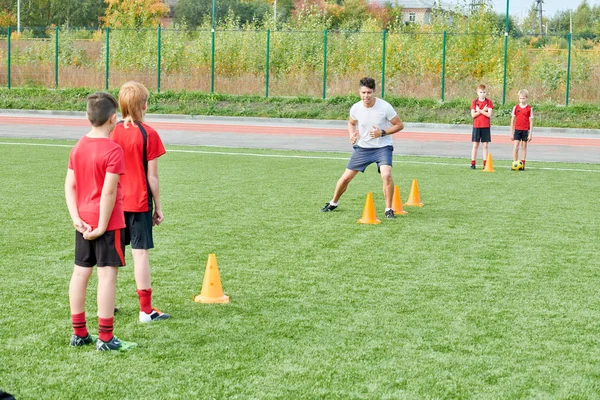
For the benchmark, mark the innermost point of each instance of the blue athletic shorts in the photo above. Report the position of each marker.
(138, 232)
(363, 157)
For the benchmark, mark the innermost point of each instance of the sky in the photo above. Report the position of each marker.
(519, 8)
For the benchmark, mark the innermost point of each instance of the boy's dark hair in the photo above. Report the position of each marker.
(100, 107)
(368, 82)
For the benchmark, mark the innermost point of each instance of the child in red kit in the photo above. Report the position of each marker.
(95, 203)
(521, 126)
(141, 190)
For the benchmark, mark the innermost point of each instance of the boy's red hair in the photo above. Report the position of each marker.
(481, 87)
(132, 101)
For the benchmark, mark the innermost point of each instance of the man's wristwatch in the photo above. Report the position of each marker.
(383, 133)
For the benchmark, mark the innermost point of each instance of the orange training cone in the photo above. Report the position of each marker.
(489, 164)
(212, 291)
(397, 202)
(414, 199)
(368, 216)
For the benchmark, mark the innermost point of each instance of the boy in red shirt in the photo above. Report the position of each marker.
(95, 204)
(481, 111)
(521, 126)
(142, 147)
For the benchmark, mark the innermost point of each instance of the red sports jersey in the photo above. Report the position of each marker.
(522, 117)
(135, 188)
(481, 121)
(90, 160)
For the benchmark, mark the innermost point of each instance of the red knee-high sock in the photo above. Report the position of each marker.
(105, 328)
(79, 324)
(484, 162)
(145, 296)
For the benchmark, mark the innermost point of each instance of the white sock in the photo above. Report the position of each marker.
(388, 209)
(333, 204)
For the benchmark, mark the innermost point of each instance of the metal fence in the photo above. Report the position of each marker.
(303, 63)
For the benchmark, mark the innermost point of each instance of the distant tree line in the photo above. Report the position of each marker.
(335, 14)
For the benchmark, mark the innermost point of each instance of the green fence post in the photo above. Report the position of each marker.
(267, 63)
(383, 64)
(324, 63)
(569, 69)
(8, 51)
(443, 66)
(107, 57)
(212, 62)
(158, 71)
(505, 55)
(56, 58)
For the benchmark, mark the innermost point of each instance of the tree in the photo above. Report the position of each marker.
(530, 24)
(77, 13)
(560, 22)
(43, 13)
(583, 20)
(134, 13)
(196, 12)
(500, 22)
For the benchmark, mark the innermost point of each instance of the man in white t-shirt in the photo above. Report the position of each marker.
(376, 120)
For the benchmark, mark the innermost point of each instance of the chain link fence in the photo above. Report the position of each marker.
(445, 66)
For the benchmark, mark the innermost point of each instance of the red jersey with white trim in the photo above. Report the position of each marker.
(522, 117)
(135, 188)
(481, 121)
(91, 159)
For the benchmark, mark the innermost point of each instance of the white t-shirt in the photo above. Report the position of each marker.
(379, 115)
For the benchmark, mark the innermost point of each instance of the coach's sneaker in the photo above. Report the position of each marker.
(328, 207)
(114, 344)
(389, 214)
(77, 341)
(155, 315)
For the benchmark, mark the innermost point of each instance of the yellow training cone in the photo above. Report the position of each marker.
(414, 198)
(368, 216)
(489, 164)
(212, 291)
(397, 202)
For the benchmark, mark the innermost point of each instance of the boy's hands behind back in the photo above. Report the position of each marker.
(81, 226)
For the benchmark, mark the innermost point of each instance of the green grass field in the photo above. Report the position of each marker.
(489, 291)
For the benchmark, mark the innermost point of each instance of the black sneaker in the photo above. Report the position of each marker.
(389, 214)
(77, 341)
(328, 207)
(114, 344)
(473, 166)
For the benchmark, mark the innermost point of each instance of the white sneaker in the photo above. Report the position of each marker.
(155, 315)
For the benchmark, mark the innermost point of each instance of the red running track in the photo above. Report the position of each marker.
(246, 128)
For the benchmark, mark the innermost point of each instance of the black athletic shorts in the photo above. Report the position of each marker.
(138, 232)
(481, 135)
(106, 251)
(521, 135)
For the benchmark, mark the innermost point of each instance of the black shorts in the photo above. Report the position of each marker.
(481, 135)
(521, 135)
(106, 251)
(138, 232)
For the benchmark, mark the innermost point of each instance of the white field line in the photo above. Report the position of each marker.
(290, 156)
